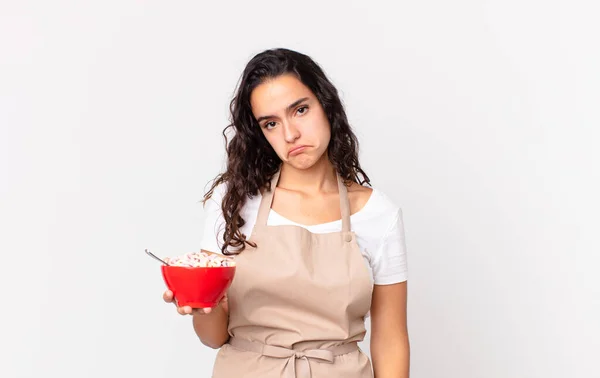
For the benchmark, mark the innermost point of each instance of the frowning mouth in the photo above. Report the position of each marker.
(297, 150)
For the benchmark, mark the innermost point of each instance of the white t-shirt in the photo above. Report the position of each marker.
(378, 227)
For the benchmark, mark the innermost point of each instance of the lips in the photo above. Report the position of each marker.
(297, 150)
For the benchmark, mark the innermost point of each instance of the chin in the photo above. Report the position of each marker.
(301, 166)
(304, 162)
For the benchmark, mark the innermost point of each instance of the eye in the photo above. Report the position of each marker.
(269, 125)
(303, 109)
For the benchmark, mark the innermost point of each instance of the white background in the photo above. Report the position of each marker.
(480, 118)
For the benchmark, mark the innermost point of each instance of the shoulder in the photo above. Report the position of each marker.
(359, 196)
(371, 201)
(379, 217)
(379, 230)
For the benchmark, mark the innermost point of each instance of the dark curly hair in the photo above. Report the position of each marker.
(252, 162)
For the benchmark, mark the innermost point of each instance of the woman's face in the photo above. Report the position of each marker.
(292, 119)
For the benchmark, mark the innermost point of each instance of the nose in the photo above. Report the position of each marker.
(291, 132)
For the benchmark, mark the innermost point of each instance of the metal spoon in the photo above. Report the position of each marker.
(155, 257)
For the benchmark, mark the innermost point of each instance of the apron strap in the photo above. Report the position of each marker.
(267, 201)
(344, 205)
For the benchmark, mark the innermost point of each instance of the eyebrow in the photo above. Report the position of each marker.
(289, 107)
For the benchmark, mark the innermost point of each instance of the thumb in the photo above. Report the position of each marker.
(168, 296)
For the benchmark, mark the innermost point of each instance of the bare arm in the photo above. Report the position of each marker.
(211, 327)
(390, 349)
(211, 324)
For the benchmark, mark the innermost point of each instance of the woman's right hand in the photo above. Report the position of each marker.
(187, 310)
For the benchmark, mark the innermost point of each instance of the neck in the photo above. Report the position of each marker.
(319, 178)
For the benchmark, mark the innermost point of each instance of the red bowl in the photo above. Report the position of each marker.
(198, 287)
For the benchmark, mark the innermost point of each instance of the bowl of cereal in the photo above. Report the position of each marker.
(198, 279)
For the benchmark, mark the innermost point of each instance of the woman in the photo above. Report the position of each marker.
(316, 250)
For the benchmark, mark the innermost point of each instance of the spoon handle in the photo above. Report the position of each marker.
(155, 257)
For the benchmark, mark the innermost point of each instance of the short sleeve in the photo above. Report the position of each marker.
(390, 261)
(214, 223)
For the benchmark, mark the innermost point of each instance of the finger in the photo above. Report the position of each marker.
(187, 310)
(168, 296)
(200, 311)
(207, 310)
